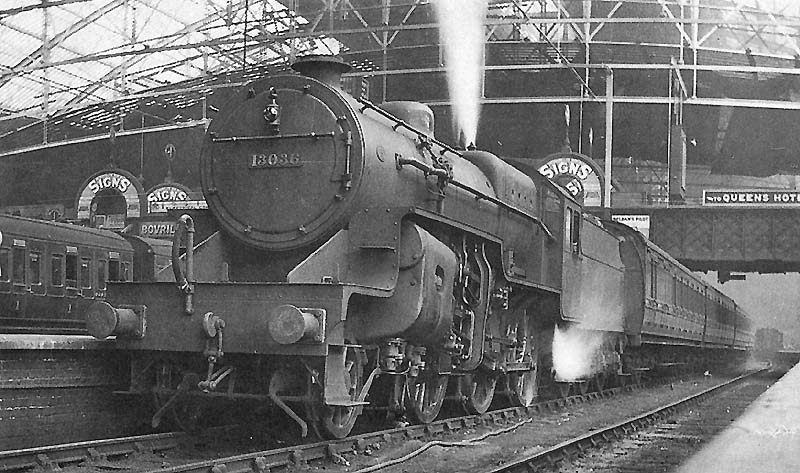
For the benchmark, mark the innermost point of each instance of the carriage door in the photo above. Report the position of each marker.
(71, 271)
(102, 275)
(114, 266)
(19, 286)
(38, 306)
(5, 284)
(85, 282)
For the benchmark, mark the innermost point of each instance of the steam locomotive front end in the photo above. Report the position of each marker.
(280, 168)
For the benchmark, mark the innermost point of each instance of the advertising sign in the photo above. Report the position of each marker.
(165, 193)
(157, 229)
(751, 198)
(577, 175)
(119, 181)
(640, 223)
(159, 207)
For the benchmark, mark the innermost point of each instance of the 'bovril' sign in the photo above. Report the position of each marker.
(157, 229)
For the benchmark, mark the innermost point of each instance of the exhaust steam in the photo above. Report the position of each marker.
(575, 352)
(462, 34)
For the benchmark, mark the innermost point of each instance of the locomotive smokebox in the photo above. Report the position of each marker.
(326, 69)
(282, 162)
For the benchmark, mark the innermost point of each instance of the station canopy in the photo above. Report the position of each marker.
(74, 67)
(58, 55)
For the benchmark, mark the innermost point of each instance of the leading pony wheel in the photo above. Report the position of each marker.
(336, 422)
(478, 391)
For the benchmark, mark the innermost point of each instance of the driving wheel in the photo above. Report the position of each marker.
(478, 390)
(424, 395)
(523, 386)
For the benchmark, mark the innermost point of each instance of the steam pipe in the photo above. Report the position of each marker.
(184, 282)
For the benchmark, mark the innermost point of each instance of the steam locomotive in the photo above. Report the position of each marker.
(361, 263)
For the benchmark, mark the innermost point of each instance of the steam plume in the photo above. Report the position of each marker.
(575, 352)
(462, 34)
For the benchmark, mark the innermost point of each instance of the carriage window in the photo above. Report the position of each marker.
(72, 271)
(113, 270)
(4, 275)
(35, 268)
(57, 270)
(101, 275)
(18, 259)
(126, 271)
(86, 279)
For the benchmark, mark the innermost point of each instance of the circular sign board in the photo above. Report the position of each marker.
(576, 173)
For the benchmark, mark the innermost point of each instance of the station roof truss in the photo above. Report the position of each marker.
(71, 68)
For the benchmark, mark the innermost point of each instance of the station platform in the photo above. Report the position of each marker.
(52, 342)
(766, 438)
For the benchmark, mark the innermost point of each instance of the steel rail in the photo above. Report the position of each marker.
(300, 455)
(553, 455)
(49, 457)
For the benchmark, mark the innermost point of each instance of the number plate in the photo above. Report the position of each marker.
(275, 160)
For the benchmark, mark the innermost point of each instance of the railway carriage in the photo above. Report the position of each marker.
(677, 314)
(50, 271)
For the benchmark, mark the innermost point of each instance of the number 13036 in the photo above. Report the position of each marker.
(275, 160)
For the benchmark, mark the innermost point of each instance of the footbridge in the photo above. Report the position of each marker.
(747, 238)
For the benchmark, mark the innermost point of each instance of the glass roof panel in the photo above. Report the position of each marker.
(81, 51)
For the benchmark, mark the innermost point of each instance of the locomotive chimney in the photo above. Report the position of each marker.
(324, 68)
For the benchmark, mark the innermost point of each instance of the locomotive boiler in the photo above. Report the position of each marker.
(361, 263)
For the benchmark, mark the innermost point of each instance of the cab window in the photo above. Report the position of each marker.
(575, 230)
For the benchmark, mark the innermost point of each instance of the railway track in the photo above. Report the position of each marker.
(155, 452)
(648, 442)
(115, 453)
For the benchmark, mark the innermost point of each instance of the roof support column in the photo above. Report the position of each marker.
(609, 136)
(45, 69)
(587, 39)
